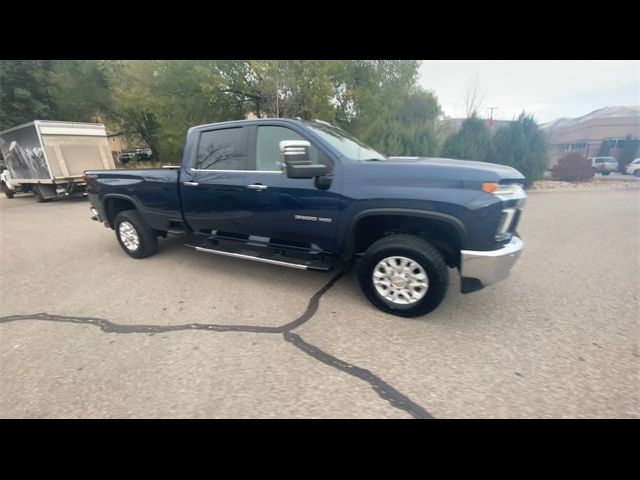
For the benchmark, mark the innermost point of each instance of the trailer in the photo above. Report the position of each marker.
(49, 158)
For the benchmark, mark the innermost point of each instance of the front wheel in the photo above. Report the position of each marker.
(404, 275)
(636, 173)
(7, 191)
(134, 235)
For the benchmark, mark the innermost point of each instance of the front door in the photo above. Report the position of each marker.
(300, 213)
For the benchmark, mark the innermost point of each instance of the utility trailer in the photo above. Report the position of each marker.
(49, 158)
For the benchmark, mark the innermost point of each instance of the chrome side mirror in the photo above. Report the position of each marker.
(296, 160)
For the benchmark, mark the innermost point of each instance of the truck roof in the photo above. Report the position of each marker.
(261, 120)
(56, 123)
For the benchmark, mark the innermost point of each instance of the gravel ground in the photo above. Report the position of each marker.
(614, 181)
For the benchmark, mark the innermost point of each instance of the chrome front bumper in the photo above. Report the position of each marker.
(479, 269)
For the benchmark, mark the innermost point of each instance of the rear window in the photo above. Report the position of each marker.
(224, 149)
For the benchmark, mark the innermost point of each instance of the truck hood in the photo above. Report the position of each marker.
(458, 170)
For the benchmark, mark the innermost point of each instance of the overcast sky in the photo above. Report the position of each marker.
(547, 89)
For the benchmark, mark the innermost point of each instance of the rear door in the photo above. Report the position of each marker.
(213, 187)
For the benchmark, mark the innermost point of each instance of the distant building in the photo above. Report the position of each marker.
(586, 134)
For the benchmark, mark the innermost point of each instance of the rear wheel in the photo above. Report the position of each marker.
(404, 275)
(135, 237)
(606, 173)
(7, 191)
(637, 173)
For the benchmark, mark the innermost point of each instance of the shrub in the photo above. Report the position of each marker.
(573, 168)
(522, 145)
(471, 142)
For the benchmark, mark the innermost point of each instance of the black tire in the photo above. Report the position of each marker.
(147, 240)
(636, 173)
(421, 252)
(606, 173)
(7, 191)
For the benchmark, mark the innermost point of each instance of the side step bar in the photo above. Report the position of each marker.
(262, 255)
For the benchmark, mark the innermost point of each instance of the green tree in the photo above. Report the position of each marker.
(80, 90)
(24, 95)
(472, 142)
(409, 131)
(162, 99)
(368, 92)
(523, 146)
(376, 100)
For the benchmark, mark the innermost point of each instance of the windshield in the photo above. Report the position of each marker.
(345, 143)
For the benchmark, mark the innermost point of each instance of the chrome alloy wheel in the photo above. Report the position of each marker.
(128, 236)
(400, 280)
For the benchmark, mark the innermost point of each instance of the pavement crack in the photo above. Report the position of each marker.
(313, 305)
(383, 389)
(111, 327)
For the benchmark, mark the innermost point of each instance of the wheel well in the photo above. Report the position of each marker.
(113, 206)
(439, 233)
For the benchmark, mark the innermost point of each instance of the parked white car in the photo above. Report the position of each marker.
(634, 168)
(604, 165)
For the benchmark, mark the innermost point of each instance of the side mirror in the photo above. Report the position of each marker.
(296, 160)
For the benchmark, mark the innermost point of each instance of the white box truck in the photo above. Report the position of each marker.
(49, 158)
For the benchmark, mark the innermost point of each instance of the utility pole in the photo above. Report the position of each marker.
(491, 117)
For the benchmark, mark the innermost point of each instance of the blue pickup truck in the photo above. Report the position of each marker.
(308, 195)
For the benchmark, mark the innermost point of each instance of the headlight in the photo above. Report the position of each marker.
(509, 191)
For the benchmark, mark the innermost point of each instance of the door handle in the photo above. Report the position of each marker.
(191, 184)
(257, 186)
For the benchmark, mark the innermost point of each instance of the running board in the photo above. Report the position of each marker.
(261, 255)
(177, 231)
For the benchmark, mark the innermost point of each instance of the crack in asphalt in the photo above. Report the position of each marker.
(379, 386)
(382, 388)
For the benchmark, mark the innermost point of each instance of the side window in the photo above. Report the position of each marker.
(268, 155)
(224, 149)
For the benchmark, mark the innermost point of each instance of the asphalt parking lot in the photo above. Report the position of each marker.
(87, 332)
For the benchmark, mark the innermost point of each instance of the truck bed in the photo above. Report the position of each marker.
(154, 191)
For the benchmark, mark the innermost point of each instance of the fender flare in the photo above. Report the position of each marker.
(121, 196)
(450, 220)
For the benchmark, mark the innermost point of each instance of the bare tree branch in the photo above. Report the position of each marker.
(473, 97)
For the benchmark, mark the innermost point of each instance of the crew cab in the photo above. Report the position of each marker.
(308, 195)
